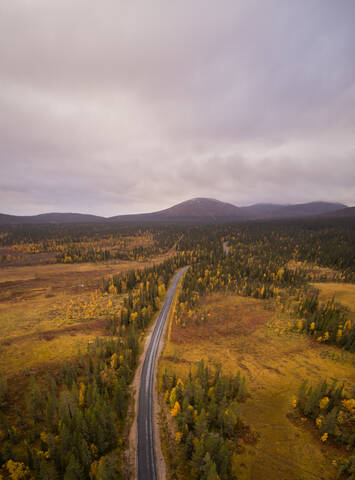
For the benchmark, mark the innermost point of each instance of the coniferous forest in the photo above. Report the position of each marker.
(71, 421)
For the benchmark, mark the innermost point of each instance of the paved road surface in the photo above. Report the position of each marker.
(146, 451)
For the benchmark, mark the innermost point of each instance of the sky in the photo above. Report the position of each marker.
(127, 106)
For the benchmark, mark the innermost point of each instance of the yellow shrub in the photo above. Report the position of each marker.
(176, 409)
(349, 405)
(17, 470)
(324, 403)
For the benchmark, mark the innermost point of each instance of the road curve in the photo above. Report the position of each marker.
(147, 469)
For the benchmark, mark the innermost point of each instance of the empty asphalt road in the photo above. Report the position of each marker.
(147, 469)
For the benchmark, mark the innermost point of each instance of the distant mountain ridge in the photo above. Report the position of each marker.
(343, 213)
(195, 210)
(55, 217)
(269, 210)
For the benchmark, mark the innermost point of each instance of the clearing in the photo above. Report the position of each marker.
(48, 312)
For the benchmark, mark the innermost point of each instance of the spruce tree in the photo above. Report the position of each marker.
(47, 471)
(74, 470)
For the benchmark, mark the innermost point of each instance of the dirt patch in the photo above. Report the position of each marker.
(276, 370)
(16, 258)
(48, 335)
(225, 315)
(175, 359)
(15, 293)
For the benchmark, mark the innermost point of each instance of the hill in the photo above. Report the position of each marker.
(50, 218)
(267, 210)
(195, 210)
(348, 212)
(202, 207)
(262, 210)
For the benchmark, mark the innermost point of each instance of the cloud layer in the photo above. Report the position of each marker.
(129, 106)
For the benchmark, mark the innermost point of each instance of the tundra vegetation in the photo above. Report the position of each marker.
(248, 329)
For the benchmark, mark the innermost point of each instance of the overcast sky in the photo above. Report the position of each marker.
(128, 106)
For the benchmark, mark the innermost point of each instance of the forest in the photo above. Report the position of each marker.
(72, 422)
(206, 409)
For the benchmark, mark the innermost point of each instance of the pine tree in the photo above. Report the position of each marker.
(51, 412)
(197, 459)
(65, 444)
(67, 405)
(201, 427)
(210, 469)
(74, 470)
(120, 397)
(108, 468)
(35, 401)
(47, 471)
(3, 391)
(329, 423)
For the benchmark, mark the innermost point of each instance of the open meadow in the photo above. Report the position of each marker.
(48, 312)
(51, 292)
(343, 293)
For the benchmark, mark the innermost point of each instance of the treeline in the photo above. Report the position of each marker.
(207, 421)
(71, 424)
(143, 244)
(333, 413)
(81, 253)
(250, 269)
(326, 322)
(50, 234)
(86, 243)
(264, 261)
(329, 243)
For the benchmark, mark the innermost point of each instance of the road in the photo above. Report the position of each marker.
(147, 469)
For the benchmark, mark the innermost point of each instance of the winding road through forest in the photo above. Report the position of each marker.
(147, 469)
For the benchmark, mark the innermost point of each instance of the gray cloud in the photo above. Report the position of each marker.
(117, 107)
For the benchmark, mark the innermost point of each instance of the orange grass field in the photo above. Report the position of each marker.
(48, 312)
